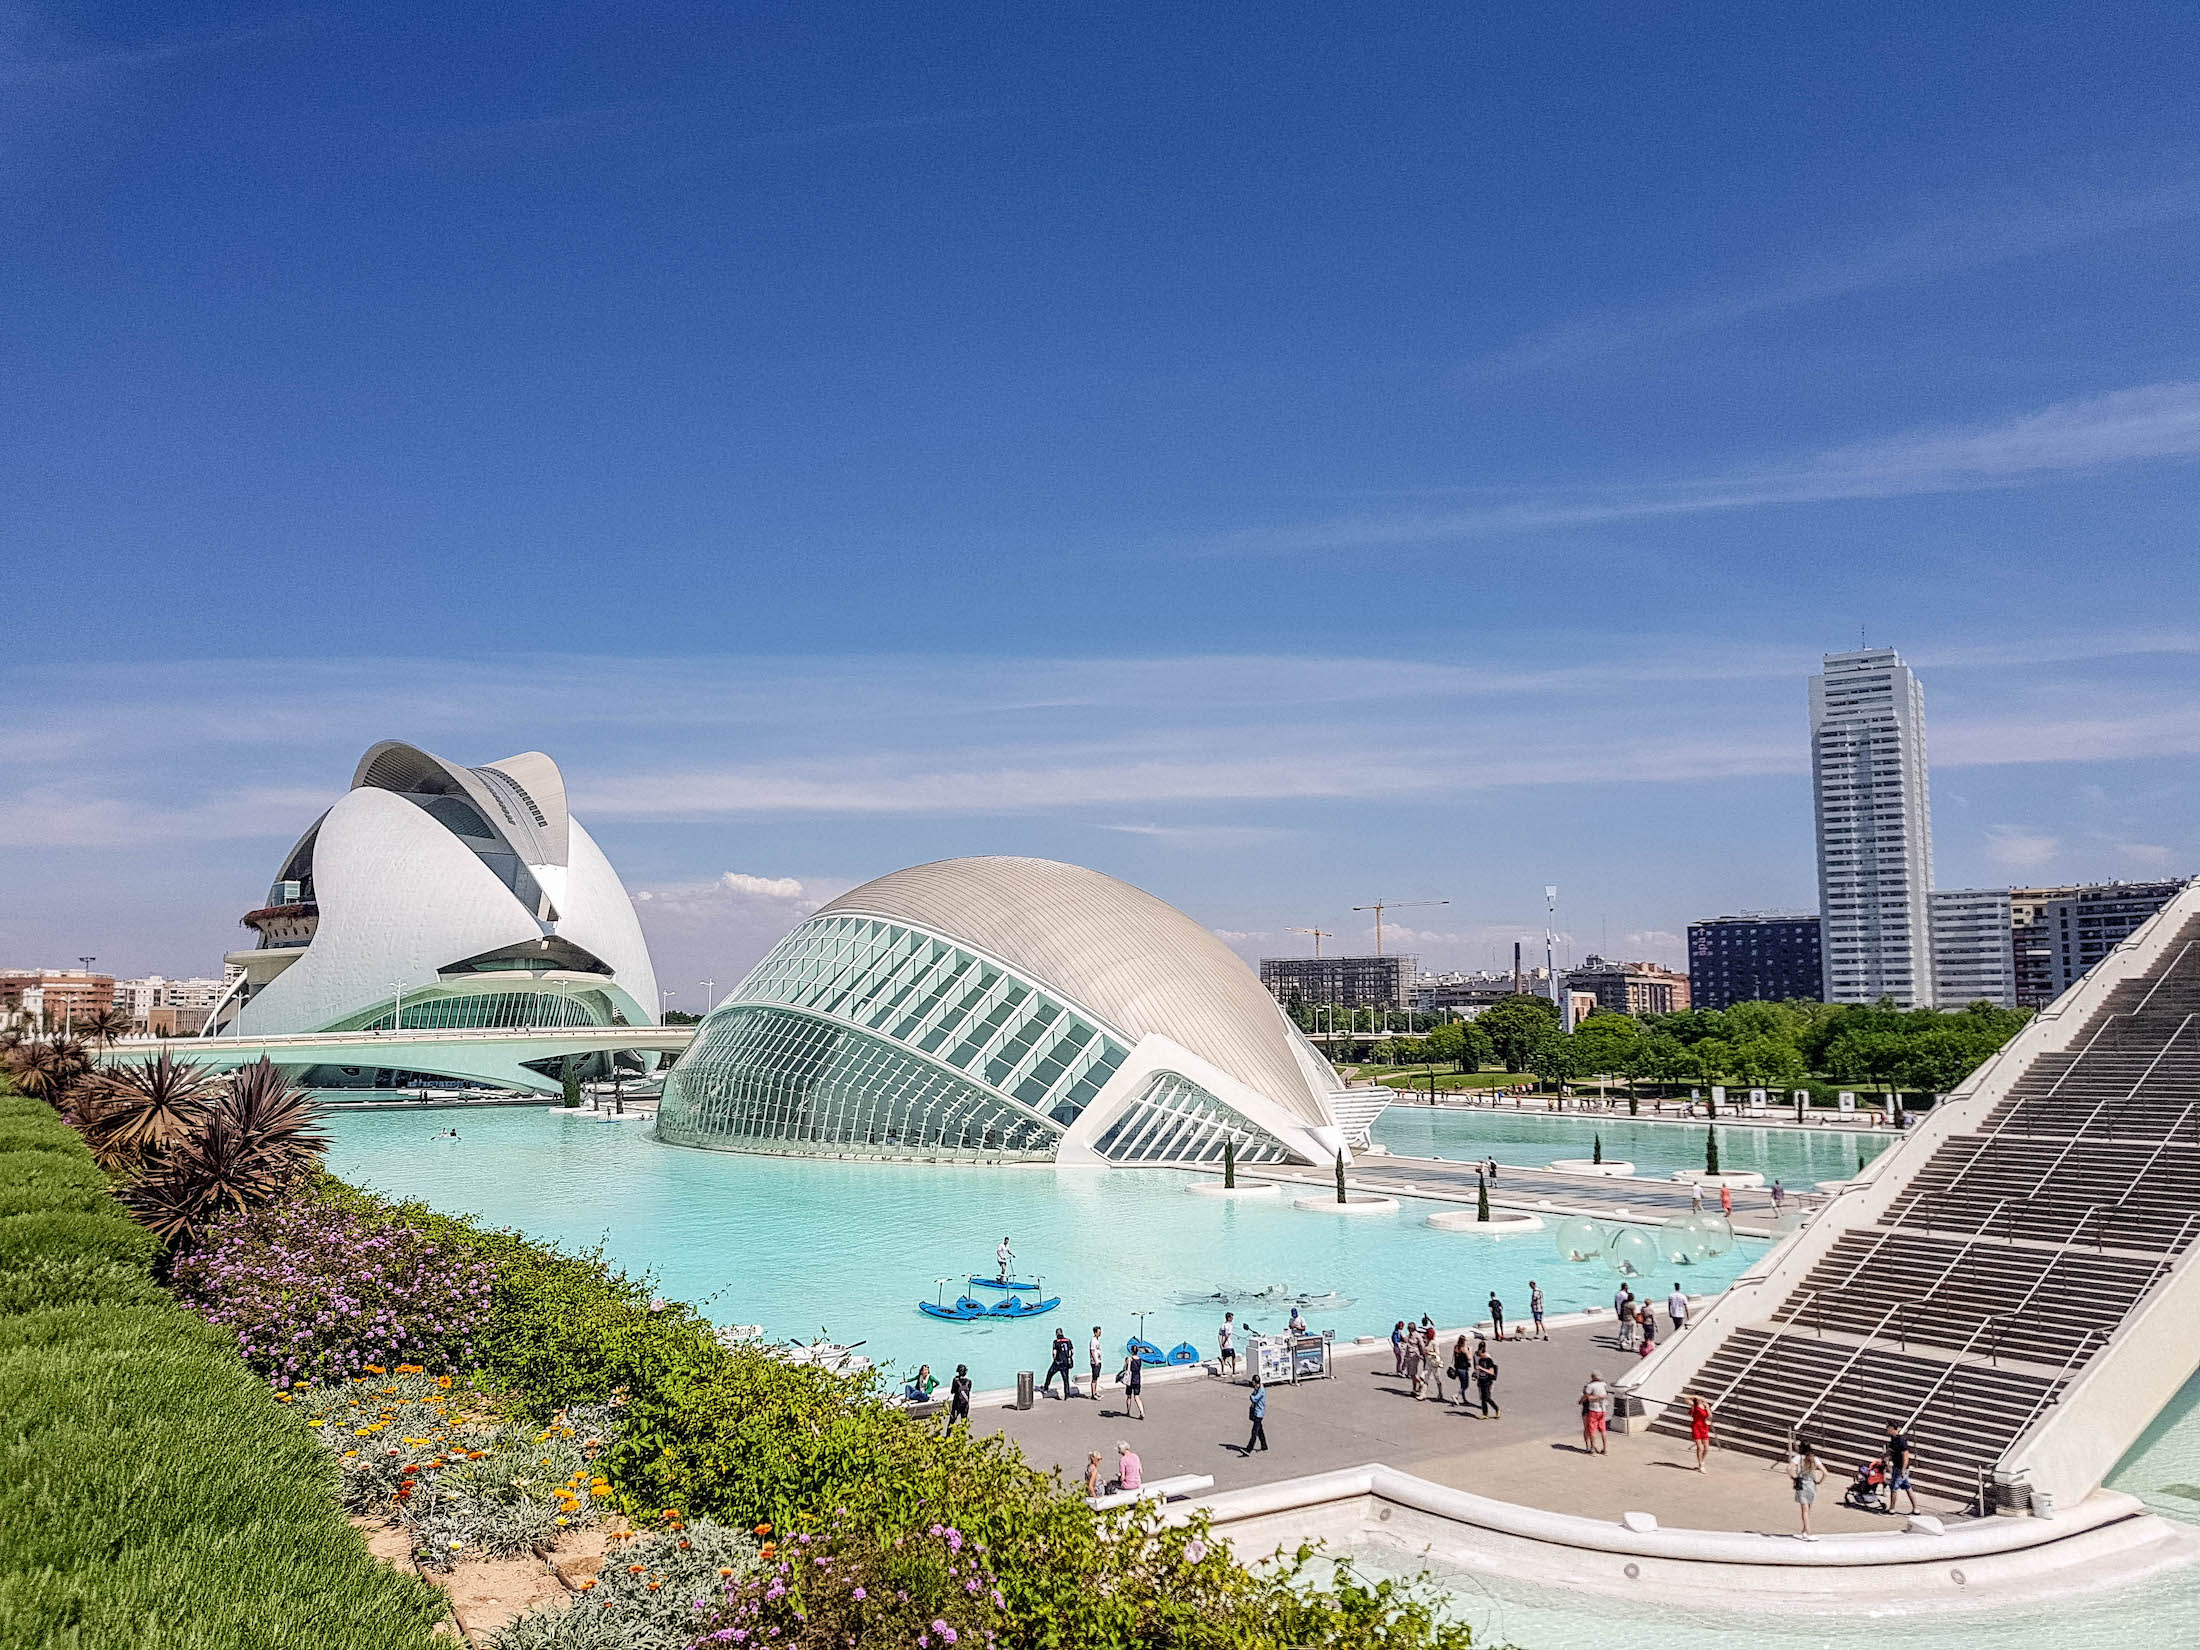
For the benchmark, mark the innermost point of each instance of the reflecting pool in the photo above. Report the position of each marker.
(1799, 1157)
(801, 1245)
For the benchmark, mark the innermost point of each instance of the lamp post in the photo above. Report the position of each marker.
(663, 997)
(710, 996)
(397, 1006)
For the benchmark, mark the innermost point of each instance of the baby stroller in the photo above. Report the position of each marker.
(1867, 1491)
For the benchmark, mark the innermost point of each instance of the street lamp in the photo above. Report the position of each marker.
(710, 996)
(663, 997)
(397, 1006)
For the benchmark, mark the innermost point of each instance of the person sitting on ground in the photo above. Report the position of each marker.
(1129, 1473)
(920, 1390)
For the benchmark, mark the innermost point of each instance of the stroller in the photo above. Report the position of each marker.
(1867, 1491)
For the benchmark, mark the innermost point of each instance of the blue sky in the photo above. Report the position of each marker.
(1281, 456)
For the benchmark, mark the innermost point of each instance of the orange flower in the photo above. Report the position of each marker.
(722, 1570)
(587, 1584)
(769, 1548)
(633, 1569)
(763, 1529)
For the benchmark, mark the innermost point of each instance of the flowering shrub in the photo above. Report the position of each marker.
(932, 1588)
(316, 1293)
(650, 1595)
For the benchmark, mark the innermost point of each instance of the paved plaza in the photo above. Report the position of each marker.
(1532, 1455)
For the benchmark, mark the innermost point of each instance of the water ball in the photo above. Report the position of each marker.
(1579, 1238)
(1681, 1241)
(1631, 1252)
(1718, 1233)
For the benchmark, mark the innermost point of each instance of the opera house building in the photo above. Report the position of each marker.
(436, 897)
(1002, 1009)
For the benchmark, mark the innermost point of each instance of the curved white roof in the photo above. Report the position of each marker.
(1142, 966)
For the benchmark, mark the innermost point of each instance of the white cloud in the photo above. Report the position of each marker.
(2145, 853)
(2020, 847)
(740, 882)
(2148, 422)
(1212, 837)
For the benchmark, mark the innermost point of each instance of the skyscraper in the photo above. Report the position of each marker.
(1875, 828)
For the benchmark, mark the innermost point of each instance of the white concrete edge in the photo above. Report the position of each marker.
(1970, 1539)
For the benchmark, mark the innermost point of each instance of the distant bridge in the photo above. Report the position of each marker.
(493, 1055)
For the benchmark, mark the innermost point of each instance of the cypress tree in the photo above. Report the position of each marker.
(1481, 1197)
(570, 1076)
(1711, 1149)
(1596, 1154)
(1229, 1164)
(1340, 1177)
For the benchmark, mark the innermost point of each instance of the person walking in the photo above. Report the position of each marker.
(1130, 1472)
(1676, 1307)
(1647, 1321)
(1695, 1198)
(1726, 1199)
(958, 1396)
(1806, 1473)
(1434, 1364)
(1594, 1396)
(1485, 1377)
(1398, 1345)
(1699, 1428)
(1623, 1307)
(1462, 1367)
(1095, 1354)
(1256, 1411)
(1900, 1459)
(1132, 1375)
(1415, 1360)
(1497, 1317)
(1779, 1196)
(1535, 1309)
(1006, 1256)
(1061, 1360)
(1226, 1344)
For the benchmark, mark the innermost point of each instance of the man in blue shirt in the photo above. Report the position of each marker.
(1257, 1409)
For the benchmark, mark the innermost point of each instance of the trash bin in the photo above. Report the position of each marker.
(2043, 1504)
(1023, 1388)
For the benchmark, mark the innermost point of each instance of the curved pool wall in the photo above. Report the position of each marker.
(801, 1245)
(2162, 1470)
(1799, 1157)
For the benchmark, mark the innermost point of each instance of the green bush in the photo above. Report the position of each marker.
(156, 1492)
(739, 1437)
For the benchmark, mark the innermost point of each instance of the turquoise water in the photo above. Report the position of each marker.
(802, 1246)
(1800, 1157)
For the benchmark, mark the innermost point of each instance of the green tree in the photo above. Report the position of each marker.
(1481, 1197)
(1605, 1044)
(1514, 1026)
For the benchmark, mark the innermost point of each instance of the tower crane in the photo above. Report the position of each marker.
(1380, 906)
(1319, 934)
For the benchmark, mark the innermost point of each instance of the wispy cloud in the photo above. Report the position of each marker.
(1968, 240)
(1205, 837)
(2148, 422)
(2020, 847)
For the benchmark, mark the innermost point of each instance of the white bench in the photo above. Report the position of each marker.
(1155, 1489)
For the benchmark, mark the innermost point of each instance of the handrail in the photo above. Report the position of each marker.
(2078, 1134)
(1899, 1307)
(1772, 1339)
(2053, 1392)
(2017, 1106)
(2162, 978)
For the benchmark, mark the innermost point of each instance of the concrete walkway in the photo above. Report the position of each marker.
(1532, 1455)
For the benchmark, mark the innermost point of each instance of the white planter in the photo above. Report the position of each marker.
(1583, 1165)
(1739, 1179)
(1359, 1203)
(1215, 1188)
(1500, 1224)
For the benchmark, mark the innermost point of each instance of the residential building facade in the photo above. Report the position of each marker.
(1348, 982)
(1457, 993)
(1630, 987)
(54, 997)
(1756, 957)
(1874, 829)
(2059, 933)
(1973, 960)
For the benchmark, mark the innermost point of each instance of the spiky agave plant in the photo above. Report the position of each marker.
(250, 1145)
(104, 1025)
(48, 1068)
(131, 1114)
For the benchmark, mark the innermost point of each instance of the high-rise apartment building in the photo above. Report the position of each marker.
(1757, 957)
(1875, 829)
(1973, 961)
(1350, 982)
(2059, 933)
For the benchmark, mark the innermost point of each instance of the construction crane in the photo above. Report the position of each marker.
(1319, 934)
(1380, 906)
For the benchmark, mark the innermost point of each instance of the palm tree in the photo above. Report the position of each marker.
(48, 1068)
(135, 1112)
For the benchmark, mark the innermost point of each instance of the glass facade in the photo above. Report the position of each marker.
(768, 1079)
(1177, 1121)
(501, 1010)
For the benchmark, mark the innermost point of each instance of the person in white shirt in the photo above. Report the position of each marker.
(1676, 1308)
(1093, 1352)
(1226, 1344)
(1005, 1255)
